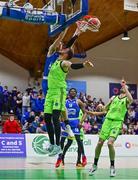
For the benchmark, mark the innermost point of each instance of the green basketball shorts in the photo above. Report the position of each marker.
(55, 100)
(110, 128)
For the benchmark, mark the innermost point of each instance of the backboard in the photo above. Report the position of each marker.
(72, 9)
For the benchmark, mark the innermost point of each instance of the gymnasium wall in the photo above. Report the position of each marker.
(12, 74)
(112, 61)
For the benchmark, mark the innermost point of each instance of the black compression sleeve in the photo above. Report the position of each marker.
(77, 66)
(71, 41)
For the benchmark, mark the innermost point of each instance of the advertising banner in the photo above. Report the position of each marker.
(34, 145)
(125, 145)
(12, 145)
(79, 85)
(131, 5)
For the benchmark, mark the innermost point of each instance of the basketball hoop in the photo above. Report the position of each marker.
(89, 23)
(56, 13)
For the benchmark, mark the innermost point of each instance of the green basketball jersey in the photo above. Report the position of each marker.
(57, 76)
(117, 109)
(81, 130)
(80, 114)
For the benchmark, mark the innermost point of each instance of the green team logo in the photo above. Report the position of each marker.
(39, 144)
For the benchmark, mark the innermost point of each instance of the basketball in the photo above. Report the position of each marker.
(93, 22)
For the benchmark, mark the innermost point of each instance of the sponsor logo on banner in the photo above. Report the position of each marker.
(39, 144)
(131, 5)
(12, 145)
(87, 143)
(131, 145)
(34, 17)
(128, 145)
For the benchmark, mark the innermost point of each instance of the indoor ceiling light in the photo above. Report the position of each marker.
(125, 37)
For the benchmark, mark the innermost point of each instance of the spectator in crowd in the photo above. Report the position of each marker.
(1, 99)
(14, 91)
(82, 97)
(124, 129)
(101, 102)
(1, 88)
(94, 129)
(13, 103)
(31, 116)
(100, 118)
(42, 126)
(28, 116)
(6, 103)
(34, 125)
(87, 127)
(131, 113)
(136, 129)
(39, 104)
(136, 115)
(25, 102)
(11, 125)
(19, 105)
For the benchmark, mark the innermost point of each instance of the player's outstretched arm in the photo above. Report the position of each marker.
(56, 43)
(82, 107)
(94, 113)
(75, 36)
(128, 94)
(66, 65)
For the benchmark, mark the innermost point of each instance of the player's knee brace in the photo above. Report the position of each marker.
(100, 143)
(110, 144)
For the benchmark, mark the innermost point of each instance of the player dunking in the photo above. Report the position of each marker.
(116, 111)
(53, 54)
(56, 96)
(74, 106)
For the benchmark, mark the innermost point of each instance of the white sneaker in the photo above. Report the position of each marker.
(50, 148)
(69, 131)
(112, 171)
(56, 150)
(92, 170)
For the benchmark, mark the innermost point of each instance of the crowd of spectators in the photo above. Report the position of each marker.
(28, 107)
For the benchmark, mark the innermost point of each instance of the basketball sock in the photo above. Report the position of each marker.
(96, 161)
(79, 156)
(57, 128)
(80, 144)
(112, 163)
(62, 142)
(67, 147)
(50, 128)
